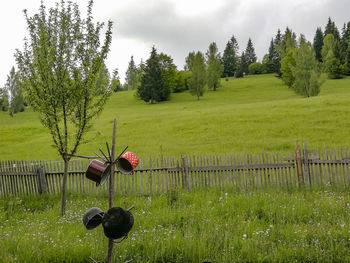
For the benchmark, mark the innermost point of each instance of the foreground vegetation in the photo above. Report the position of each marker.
(204, 225)
(250, 115)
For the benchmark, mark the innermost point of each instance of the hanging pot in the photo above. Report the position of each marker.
(98, 172)
(127, 163)
(92, 218)
(117, 222)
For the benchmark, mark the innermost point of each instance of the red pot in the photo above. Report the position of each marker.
(98, 172)
(127, 163)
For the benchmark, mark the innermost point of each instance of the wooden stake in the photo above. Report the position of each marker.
(299, 166)
(111, 189)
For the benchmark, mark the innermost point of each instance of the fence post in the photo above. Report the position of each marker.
(42, 182)
(298, 163)
(184, 169)
(306, 164)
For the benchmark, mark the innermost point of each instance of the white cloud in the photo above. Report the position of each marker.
(177, 27)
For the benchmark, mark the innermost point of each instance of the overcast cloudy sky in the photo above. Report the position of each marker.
(177, 27)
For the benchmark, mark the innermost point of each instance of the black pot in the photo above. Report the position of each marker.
(117, 222)
(92, 218)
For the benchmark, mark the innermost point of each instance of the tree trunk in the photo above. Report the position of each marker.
(64, 187)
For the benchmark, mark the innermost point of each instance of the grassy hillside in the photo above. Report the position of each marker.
(251, 115)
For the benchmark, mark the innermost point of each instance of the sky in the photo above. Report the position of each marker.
(177, 27)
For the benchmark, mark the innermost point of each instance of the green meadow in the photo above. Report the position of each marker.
(251, 115)
(209, 225)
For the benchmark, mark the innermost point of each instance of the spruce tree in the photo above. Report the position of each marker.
(250, 53)
(229, 58)
(318, 44)
(214, 67)
(14, 93)
(152, 88)
(242, 67)
(277, 58)
(131, 75)
(115, 82)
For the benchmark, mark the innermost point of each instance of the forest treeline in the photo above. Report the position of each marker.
(297, 61)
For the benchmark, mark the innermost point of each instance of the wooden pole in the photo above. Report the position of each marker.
(111, 189)
(299, 166)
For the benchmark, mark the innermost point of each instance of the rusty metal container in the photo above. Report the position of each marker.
(98, 172)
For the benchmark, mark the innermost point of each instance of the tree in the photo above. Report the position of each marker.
(318, 44)
(189, 61)
(256, 68)
(250, 53)
(182, 80)
(331, 28)
(230, 58)
(131, 76)
(4, 99)
(102, 82)
(13, 95)
(306, 72)
(59, 67)
(331, 63)
(115, 82)
(286, 68)
(169, 73)
(272, 62)
(198, 79)
(152, 87)
(242, 67)
(214, 67)
(277, 58)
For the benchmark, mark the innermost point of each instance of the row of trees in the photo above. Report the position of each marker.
(11, 98)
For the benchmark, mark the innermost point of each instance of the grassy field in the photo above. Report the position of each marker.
(251, 115)
(206, 225)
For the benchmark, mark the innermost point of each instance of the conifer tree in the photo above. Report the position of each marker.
(131, 75)
(230, 57)
(242, 67)
(152, 88)
(115, 82)
(250, 53)
(318, 44)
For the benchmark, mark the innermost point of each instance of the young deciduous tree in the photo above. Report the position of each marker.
(59, 67)
(4, 99)
(306, 71)
(169, 73)
(214, 67)
(198, 79)
(331, 64)
(15, 98)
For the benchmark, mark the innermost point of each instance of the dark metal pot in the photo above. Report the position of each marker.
(92, 218)
(117, 222)
(98, 172)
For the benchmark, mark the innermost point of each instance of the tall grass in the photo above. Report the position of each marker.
(250, 115)
(203, 225)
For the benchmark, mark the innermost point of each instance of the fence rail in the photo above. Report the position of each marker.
(246, 171)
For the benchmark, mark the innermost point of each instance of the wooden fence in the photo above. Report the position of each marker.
(248, 171)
